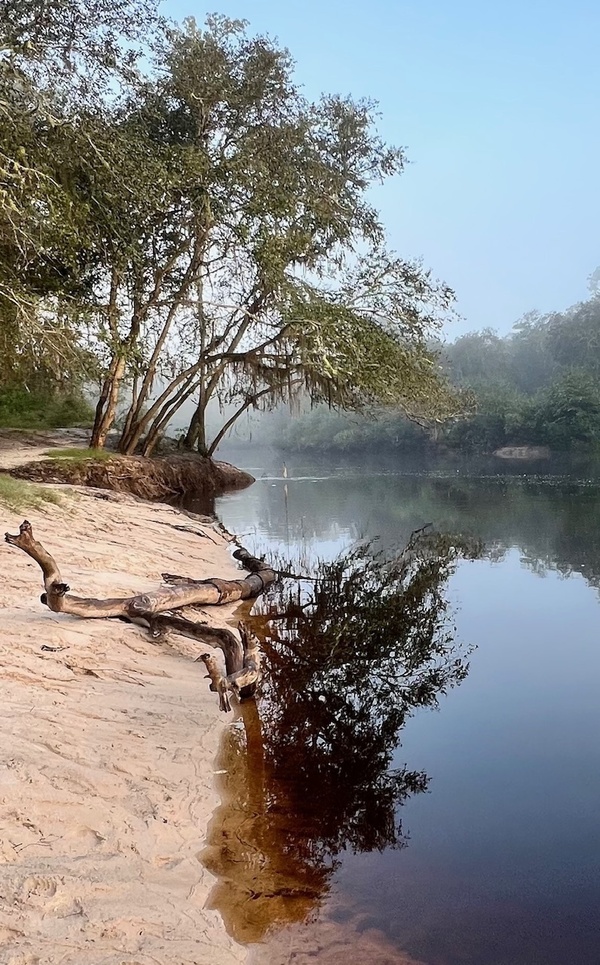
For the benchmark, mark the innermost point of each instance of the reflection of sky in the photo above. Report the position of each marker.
(503, 854)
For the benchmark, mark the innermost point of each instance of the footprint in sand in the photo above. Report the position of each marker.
(50, 896)
(39, 888)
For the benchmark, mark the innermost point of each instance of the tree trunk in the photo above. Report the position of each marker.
(157, 409)
(164, 417)
(154, 436)
(129, 416)
(107, 403)
(250, 401)
(195, 437)
(136, 421)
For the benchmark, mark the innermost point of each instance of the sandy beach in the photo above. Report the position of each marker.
(110, 742)
(108, 748)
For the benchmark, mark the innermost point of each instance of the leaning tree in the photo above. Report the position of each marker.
(198, 225)
(245, 261)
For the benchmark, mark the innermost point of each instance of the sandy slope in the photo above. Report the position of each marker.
(20, 446)
(106, 751)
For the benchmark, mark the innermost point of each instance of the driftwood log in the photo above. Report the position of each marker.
(241, 682)
(238, 671)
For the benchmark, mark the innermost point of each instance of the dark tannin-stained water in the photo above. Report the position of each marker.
(500, 863)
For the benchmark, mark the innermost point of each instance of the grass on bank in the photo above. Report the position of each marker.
(18, 495)
(79, 455)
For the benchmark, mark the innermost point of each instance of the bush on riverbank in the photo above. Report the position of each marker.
(20, 409)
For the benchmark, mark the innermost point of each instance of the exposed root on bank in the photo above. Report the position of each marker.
(152, 479)
(240, 670)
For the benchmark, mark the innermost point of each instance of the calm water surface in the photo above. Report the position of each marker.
(502, 865)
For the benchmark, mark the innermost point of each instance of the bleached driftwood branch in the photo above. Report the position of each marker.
(241, 668)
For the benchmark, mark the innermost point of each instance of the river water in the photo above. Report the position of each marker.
(501, 863)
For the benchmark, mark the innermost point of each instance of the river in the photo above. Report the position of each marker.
(501, 856)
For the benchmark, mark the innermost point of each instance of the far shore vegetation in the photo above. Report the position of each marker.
(538, 386)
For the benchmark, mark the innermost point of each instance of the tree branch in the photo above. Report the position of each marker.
(241, 670)
(211, 592)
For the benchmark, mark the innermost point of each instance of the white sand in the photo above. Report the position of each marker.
(20, 446)
(107, 750)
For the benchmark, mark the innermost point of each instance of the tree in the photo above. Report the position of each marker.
(199, 226)
(478, 357)
(568, 411)
(60, 66)
(574, 336)
(255, 267)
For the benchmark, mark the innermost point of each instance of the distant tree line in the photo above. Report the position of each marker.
(539, 385)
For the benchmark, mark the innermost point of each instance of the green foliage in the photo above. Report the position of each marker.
(257, 264)
(568, 412)
(192, 217)
(17, 495)
(540, 385)
(573, 337)
(502, 417)
(20, 409)
(564, 415)
(61, 65)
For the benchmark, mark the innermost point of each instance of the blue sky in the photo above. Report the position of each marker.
(497, 107)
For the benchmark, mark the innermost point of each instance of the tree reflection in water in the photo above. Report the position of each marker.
(350, 655)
